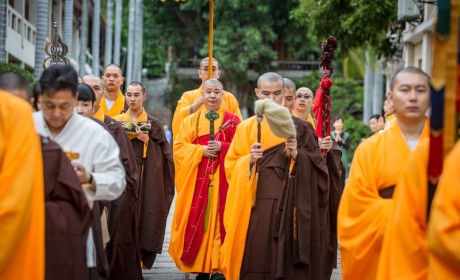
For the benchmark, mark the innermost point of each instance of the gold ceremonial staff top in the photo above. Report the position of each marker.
(55, 49)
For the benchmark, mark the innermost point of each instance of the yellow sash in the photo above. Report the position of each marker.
(99, 114)
(117, 107)
(126, 118)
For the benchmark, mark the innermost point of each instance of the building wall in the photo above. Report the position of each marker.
(21, 32)
(418, 40)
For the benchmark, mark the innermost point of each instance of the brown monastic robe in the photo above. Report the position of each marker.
(334, 166)
(67, 216)
(156, 190)
(293, 250)
(328, 208)
(123, 248)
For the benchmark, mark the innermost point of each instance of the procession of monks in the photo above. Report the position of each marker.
(88, 179)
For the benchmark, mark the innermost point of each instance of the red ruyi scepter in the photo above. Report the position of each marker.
(322, 105)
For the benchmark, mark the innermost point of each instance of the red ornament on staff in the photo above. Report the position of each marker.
(322, 104)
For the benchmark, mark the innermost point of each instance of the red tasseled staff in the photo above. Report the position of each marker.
(322, 105)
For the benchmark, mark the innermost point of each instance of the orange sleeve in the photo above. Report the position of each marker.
(362, 218)
(182, 111)
(21, 193)
(233, 105)
(444, 225)
(238, 206)
(404, 253)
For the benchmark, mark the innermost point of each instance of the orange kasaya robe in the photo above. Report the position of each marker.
(444, 225)
(99, 114)
(116, 108)
(404, 250)
(229, 104)
(198, 211)
(22, 198)
(240, 192)
(390, 120)
(363, 211)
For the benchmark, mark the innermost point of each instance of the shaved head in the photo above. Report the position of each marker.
(289, 84)
(113, 65)
(15, 84)
(410, 70)
(270, 77)
(88, 77)
(213, 82)
(207, 59)
(305, 90)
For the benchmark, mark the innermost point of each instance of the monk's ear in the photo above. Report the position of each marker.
(257, 92)
(122, 80)
(390, 98)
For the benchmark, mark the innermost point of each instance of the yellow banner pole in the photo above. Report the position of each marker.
(211, 35)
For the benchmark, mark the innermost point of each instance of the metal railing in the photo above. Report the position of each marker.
(20, 25)
(291, 65)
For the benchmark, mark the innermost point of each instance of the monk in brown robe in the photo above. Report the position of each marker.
(66, 209)
(67, 216)
(123, 248)
(121, 253)
(313, 144)
(289, 94)
(156, 167)
(276, 233)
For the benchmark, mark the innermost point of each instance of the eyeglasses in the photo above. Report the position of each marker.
(306, 96)
(206, 69)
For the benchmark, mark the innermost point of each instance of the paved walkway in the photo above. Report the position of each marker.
(165, 269)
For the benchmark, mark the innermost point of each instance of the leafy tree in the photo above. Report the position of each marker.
(248, 34)
(355, 23)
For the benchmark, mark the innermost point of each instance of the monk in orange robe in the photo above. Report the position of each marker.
(389, 113)
(113, 102)
(444, 224)
(198, 230)
(22, 212)
(191, 101)
(67, 214)
(367, 199)
(302, 105)
(404, 251)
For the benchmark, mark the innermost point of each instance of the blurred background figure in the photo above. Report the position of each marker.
(374, 123)
(167, 133)
(381, 124)
(343, 139)
(389, 113)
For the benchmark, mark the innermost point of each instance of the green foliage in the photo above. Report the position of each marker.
(248, 34)
(354, 64)
(347, 101)
(357, 130)
(12, 67)
(354, 23)
(347, 94)
(176, 88)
